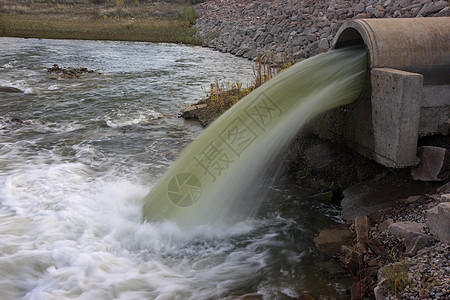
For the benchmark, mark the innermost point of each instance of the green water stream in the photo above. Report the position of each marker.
(216, 178)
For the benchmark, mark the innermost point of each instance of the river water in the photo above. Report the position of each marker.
(78, 156)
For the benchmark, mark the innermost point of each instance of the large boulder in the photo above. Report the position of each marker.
(439, 221)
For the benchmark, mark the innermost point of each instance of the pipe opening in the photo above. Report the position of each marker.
(351, 37)
(348, 37)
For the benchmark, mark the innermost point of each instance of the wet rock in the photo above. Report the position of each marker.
(434, 164)
(10, 89)
(192, 111)
(59, 72)
(350, 258)
(439, 221)
(330, 240)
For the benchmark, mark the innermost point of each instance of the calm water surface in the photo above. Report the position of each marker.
(75, 169)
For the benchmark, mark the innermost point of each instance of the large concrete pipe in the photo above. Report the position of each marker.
(408, 90)
(417, 45)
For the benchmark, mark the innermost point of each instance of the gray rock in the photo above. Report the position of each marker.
(434, 164)
(192, 111)
(361, 16)
(417, 243)
(407, 230)
(438, 220)
(379, 292)
(384, 225)
(311, 37)
(330, 240)
(360, 8)
(432, 7)
(323, 45)
(405, 3)
(443, 13)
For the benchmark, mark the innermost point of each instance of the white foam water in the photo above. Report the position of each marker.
(72, 185)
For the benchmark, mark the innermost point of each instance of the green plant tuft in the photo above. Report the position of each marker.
(396, 276)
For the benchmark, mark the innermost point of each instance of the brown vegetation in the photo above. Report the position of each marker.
(223, 95)
(131, 20)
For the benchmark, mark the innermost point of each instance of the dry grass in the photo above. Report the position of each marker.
(81, 19)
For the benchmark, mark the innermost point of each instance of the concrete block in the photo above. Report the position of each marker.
(386, 122)
(396, 101)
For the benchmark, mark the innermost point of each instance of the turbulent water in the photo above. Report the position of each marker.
(78, 156)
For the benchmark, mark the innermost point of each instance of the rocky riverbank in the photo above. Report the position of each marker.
(294, 30)
(399, 252)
